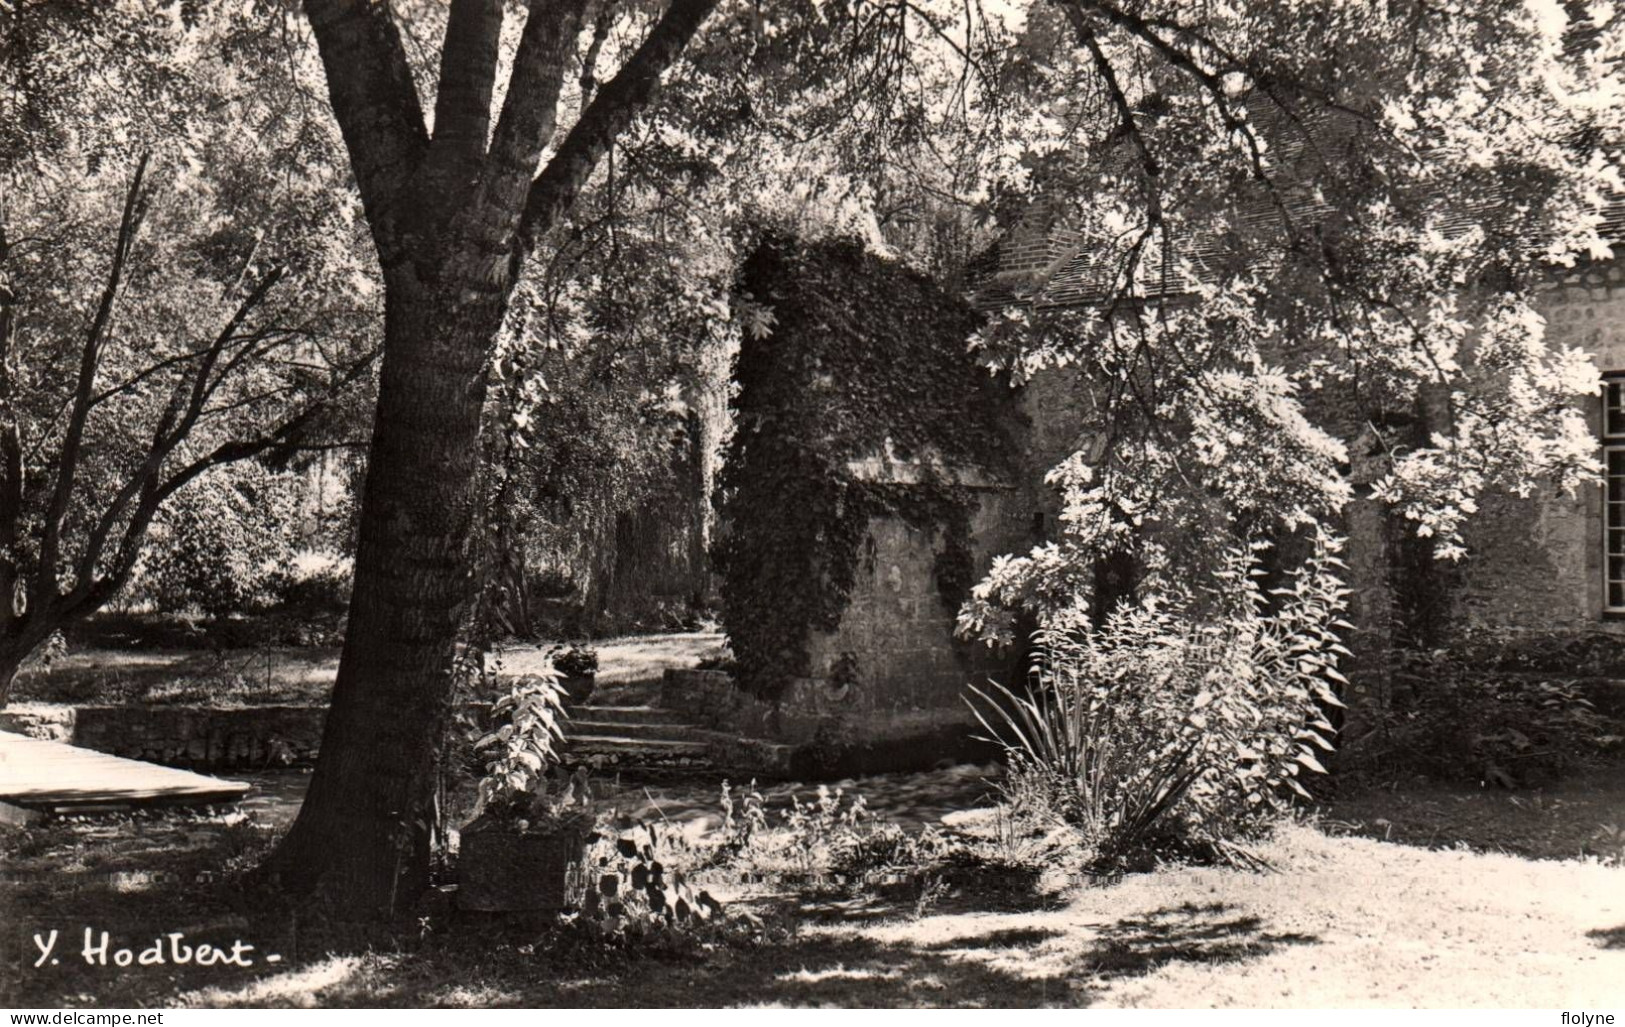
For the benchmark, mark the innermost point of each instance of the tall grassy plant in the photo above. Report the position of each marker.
(1183, 722)
(1072, 760)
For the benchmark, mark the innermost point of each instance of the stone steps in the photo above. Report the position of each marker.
(618, 752)
(633, 745)
(661, 739)
(635, 738)
(624, 714)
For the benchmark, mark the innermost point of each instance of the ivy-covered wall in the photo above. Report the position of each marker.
(871, 477)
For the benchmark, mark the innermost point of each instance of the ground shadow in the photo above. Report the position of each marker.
(1001, 967)
(473, 964)
(175, 874)
(1608, 937)
(1187, 933)
(923, 894)
(1008, 938)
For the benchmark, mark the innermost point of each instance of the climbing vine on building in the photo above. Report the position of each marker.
(845, 358)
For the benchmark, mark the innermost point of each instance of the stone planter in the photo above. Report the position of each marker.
(502, 869)
(578, 688)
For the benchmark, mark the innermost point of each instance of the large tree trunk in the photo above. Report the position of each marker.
(362, 836)
(453, 218)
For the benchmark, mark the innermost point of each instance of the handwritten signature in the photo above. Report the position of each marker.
(169, 949)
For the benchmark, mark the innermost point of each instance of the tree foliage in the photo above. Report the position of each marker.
(225, 544)
(1314, 236)
(180, 289)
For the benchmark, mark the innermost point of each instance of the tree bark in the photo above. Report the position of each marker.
(363, 834)
(451, 257)
(10, 663)
(13, 652)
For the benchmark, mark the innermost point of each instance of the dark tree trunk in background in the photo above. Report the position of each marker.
(453, 218)
(10, 662)
(635, 574)
(699, 503)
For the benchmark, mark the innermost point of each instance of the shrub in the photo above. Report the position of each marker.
(1178, 726)
(637, 882)
(315, 585)
(518, 753)
(1449, 718)
(806, 838)
(828, 834)
(886, 849)
(574, 660)
(1560, 653)
(223, 543)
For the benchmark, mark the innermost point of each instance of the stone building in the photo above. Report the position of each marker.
(1556, 563)
(868, 485)
(1548, 567)
(889, 678)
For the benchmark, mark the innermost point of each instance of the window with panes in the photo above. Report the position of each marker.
(1613, 517)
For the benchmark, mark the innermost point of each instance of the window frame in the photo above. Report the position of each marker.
(1611, 544)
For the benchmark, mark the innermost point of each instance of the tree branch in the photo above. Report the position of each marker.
(608, 115)
(1125, 113)
(468, 70)
(376, 104)
(530, 110)
(164, 442)
(589, 63)
(84, 389)
(90, 591)
(280, 436)
(202, 388)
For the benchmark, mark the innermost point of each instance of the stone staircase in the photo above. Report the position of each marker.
(640, 738)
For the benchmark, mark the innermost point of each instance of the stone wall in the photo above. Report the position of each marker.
(1536, 563)
(182, 736)
(893, 673)
(812, 734)
(886, 688)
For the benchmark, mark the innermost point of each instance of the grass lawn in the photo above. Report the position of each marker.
(1584, 813)
(1425, 895)
(1344, 921)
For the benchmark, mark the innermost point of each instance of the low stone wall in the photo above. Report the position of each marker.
(46, 721)
(181, 736)
(237, 739)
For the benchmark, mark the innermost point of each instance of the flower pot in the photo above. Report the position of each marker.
(577, 687)
(505, 869)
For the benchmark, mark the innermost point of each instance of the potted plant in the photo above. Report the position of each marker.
(577, 667)
(531, 825)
